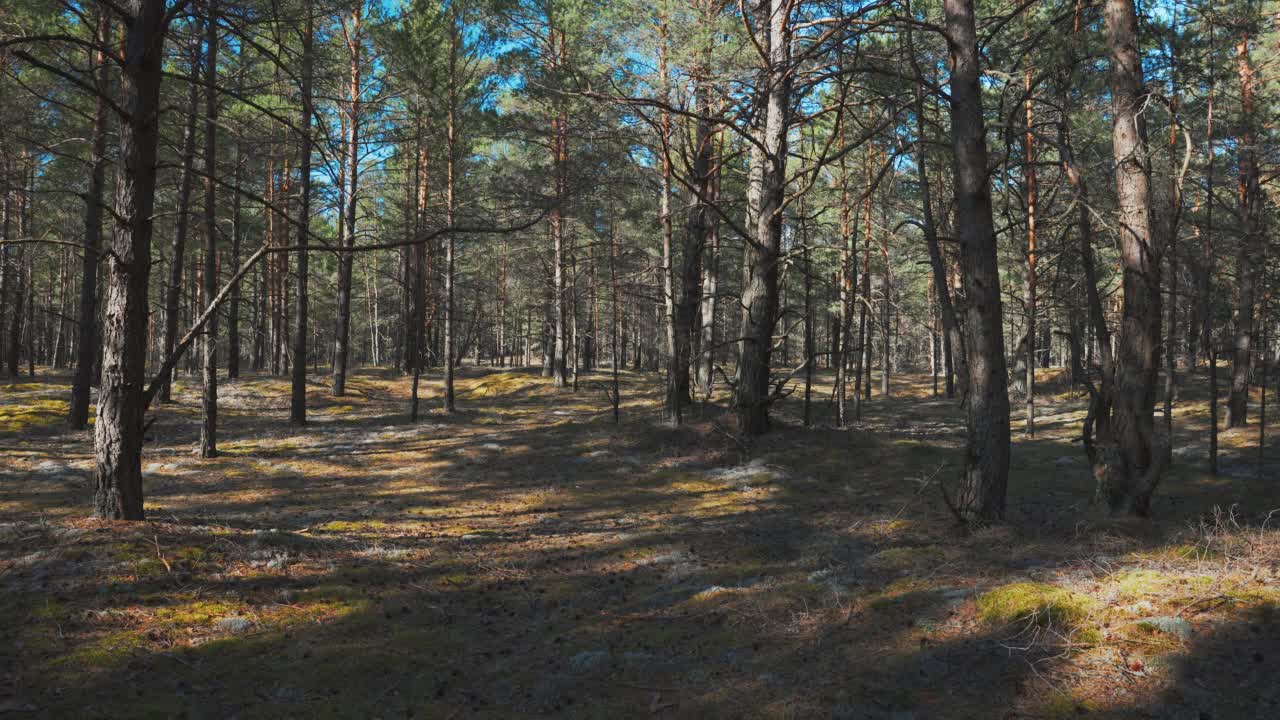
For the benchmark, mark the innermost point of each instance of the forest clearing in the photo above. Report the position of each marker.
(868, 359)
(527, 557)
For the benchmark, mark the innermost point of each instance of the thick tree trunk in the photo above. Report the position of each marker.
(87, 340)
(118, 430)
(760, 285)
(981, 496)
(1135, 465)
(698, 228)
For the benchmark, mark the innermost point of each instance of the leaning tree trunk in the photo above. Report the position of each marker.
(87, 342)
(118, 430)
(1134, 463)
(981, 495)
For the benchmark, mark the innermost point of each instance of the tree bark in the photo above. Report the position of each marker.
(710, 288)
(981, 495)
(929, 226)
(1248, 267)
(87, 340)
(1030, 289)
(177, 252)
(342, 330)
(298, 380)
(118, 430)
(233, 306)
(1135, 465)
(760, 286)
(450, 190)
(209, 274)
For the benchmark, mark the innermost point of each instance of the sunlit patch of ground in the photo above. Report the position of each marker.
(528, 557)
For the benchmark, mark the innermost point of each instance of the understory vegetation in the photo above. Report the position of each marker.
(528, 557)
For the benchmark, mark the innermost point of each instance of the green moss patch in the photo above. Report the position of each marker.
(32, 415)
(1035, 603)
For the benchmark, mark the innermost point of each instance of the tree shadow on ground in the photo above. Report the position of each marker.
(515, 562)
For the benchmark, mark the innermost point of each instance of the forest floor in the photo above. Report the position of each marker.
(527, 557)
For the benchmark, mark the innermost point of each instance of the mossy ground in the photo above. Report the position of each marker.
(528, 558)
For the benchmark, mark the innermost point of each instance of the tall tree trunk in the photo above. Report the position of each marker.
(846, 291)
(710, 283)
(6, 232)
(298, 384)
(342, 330)
(87, 340)
(1030, 298)
(942, 286)
(1135, 465)
(616, 355)
(673, 402)
(21, 282)
(865, 321)
(177, 251)
(1208, 257)
(1248, 266)
(233, 305)
(808, 320)
(209, 275)
(981, 495)
(697, 229)
(559, 156)
(886, 310)
(760, 287)
(450, 190)
(1175, 217)
(416, 354)
(121, 405)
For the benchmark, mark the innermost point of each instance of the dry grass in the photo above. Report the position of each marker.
(529, 558)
